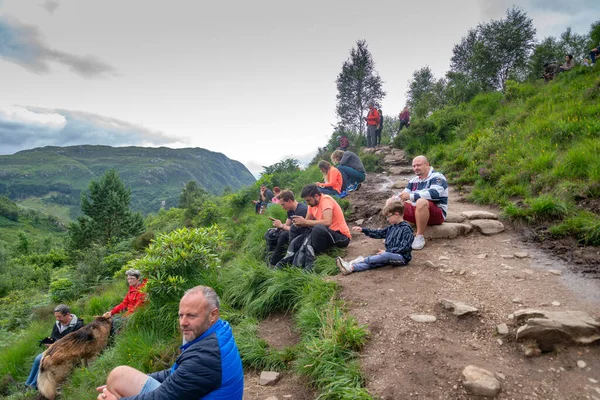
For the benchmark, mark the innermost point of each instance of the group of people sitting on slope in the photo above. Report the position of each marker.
(551, 69)
(311, 228)
(209, 363)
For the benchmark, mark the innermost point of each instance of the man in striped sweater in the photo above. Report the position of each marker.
(427, 199)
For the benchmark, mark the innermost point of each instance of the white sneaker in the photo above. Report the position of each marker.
(418, 242)
(344, 266)
(357, 260)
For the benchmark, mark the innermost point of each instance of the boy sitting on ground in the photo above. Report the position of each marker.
(398, 243)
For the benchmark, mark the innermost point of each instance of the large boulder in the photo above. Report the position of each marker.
(447, 230)
(480, 381)
(548, 328)
(488, 226)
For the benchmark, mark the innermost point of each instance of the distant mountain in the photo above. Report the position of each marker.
(59, 174)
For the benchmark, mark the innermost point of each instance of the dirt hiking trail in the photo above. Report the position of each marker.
(498, 274)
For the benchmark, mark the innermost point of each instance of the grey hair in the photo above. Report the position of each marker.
(63, 309)
(209, 294)
(133, 272)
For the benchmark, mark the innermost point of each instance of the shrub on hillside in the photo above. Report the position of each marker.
(9, 209)
(371, 162)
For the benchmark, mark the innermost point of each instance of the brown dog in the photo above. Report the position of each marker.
(77, 347)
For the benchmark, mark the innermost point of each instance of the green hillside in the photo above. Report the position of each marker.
(534, 150)
(153, 174)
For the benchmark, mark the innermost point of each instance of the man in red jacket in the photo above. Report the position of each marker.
(134, 297)
(372, 119)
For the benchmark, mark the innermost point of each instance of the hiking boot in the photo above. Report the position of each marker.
(344, 266)
(418, 243)
(343, 194)
(358, 185)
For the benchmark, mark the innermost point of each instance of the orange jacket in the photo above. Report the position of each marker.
(334, 179)
(133, 299)
(373, 117)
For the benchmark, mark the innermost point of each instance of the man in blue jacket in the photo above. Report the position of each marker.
(209, 366)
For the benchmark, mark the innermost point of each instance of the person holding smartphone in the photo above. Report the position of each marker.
(283, 232)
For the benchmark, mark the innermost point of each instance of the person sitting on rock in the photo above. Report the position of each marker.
(398, 242)
(133, 299)
(427, 199)
(351, 168)
(332, 177)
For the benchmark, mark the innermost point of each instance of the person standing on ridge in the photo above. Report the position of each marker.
(372, 119)
(404, 118)
(379, 128)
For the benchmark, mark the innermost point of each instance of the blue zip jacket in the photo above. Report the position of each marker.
(208, 368)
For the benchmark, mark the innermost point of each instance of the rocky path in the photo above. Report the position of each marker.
(499, 275)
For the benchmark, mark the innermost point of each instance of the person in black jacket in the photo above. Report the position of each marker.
(379, 129)
(65, 324)
(209, 366)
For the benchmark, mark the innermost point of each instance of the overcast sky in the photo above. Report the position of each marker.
(254, 80)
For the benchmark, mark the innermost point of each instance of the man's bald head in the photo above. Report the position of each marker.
(421, 166)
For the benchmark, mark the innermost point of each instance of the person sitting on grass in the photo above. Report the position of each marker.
(332, 177)
(398, 243)
(133, 299)
(568, 65)
(351, 168)
(65, 324)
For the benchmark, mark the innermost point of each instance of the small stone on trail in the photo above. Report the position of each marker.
(477, 214)
(555, 272)
(480, 381)
(507, 256)
(500, 342)
(268, 378)
(462, 271)
(488, 226)
(429, 264)
(443, 258)
(423, 318)
(481, 256)
(592, 380)
(449, 270)
(506, 267)
(581, 364)
(454, 217)
(272, 398)
(521, 254)
(517, 300)
(457, 307)
(359, 221)
(555, 304)
(502, 329)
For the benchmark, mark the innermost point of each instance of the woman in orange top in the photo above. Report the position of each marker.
(332, 177)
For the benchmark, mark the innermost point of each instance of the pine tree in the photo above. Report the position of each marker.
(107, 217)
(357, 84)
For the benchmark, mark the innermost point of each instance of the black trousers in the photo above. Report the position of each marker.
(280, 248)
(323, 238)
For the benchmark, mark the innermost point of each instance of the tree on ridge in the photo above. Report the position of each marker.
(357, 84)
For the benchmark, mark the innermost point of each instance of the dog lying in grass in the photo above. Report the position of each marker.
(77, 347)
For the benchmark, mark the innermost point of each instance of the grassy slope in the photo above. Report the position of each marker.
(533, 150)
